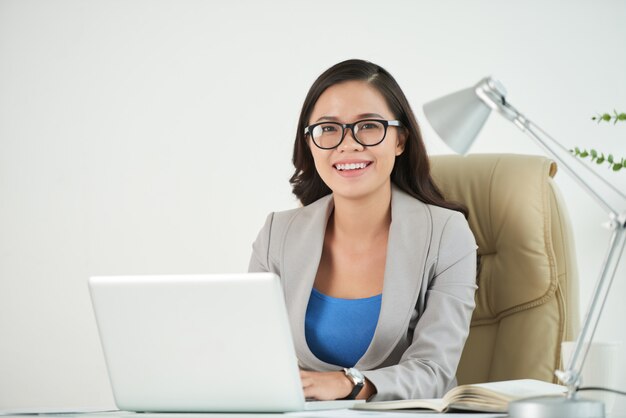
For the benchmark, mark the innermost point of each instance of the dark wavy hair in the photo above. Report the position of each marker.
(411, 171)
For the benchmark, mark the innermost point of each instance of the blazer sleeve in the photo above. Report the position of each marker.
(427, 369)
(260, 259)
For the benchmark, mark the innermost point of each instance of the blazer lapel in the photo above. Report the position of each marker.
(302, 252)
(407, 249)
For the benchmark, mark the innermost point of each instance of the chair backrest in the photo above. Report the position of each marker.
(527, 297)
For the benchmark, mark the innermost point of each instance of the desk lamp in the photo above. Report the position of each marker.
(458, 118)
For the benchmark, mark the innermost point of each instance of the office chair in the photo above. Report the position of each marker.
(527, 297)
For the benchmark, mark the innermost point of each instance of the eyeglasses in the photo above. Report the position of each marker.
(367, 132)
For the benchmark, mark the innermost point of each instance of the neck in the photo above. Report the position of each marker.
(364, 218)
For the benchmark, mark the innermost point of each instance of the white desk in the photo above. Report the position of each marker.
(339, 413)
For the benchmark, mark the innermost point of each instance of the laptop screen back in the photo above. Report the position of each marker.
(198, 343)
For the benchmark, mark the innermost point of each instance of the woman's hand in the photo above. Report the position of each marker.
(327, 386)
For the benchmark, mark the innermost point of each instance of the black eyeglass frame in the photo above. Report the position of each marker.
(344, 126)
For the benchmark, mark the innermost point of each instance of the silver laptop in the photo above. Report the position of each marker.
(203, 343)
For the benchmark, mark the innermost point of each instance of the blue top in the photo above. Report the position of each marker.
(338, 331)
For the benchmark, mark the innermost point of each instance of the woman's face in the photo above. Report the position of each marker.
(349, 102)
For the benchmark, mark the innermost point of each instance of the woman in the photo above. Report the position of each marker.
(378, 270)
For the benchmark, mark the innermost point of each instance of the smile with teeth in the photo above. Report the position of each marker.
(352, 166)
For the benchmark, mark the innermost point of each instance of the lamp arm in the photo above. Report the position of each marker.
(617, 224)
(492, 95)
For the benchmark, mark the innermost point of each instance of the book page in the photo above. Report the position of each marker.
(433, 404)
(350, 413)
(495, 396)
(487, 397)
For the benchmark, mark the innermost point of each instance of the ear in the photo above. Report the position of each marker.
(401, 141)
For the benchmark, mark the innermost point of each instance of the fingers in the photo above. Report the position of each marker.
(308, 384)
(309, 393)
(324, 385)
(315, 391)
(308, 381)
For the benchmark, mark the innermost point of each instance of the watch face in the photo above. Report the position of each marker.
(357, 375)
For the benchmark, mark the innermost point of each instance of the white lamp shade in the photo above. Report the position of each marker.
(458, 118)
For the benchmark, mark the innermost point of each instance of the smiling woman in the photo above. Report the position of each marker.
(377, 268)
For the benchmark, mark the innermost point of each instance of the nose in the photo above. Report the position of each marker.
(349, 142)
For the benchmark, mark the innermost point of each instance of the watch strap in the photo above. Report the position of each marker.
(358, 384)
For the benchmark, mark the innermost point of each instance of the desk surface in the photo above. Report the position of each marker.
(338, 413)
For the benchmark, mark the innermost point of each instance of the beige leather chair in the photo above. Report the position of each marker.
(527, 300)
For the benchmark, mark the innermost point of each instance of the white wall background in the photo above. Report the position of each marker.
(155, 136)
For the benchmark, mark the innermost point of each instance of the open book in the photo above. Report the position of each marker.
(481, 397)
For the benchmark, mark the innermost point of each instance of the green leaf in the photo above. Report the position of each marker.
(600, 159)
(617, 167)
(594, 154)
(610, 158)
(584, 154)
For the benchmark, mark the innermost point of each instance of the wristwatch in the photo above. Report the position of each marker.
(357, 379)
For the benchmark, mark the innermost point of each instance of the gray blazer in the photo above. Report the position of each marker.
(428, 291)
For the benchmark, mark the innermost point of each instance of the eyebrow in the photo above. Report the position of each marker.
(361, 116)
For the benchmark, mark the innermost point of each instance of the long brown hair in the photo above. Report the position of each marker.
(411, 171)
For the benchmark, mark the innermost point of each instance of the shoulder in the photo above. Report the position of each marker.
(448, 219)
(299, 221)
(305, 214)
(450, 239)
(307, 221)
(446, 225)
(439, 217)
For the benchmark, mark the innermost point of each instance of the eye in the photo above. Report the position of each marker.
(369, 125)
(329, 128)
(325, 129)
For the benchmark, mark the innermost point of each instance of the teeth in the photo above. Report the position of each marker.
(352, 166)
